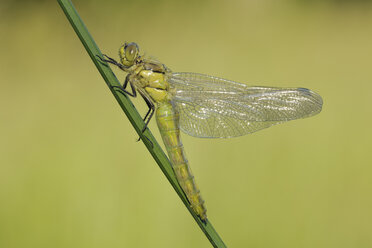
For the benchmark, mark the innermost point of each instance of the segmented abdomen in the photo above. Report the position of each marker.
(168, 122)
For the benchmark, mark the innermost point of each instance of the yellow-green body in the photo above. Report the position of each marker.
(208, 107)
(150, 79)
(167, 119)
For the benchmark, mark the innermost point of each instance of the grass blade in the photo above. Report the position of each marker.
(133, 116)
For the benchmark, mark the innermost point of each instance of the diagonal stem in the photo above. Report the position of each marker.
(133, 116)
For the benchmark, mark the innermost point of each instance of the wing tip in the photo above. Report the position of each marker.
(315, 98)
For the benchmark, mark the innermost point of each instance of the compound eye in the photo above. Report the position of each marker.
(131, 51)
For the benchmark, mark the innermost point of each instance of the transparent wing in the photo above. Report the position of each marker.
(212, 107)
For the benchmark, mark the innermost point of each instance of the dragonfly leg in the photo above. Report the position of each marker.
(149, 113)
(122, 89)
(152, 145)
(112, 61)
(151, 107)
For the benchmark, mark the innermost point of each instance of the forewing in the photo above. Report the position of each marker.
(212, 107)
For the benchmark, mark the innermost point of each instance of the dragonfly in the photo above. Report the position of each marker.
(206, 107)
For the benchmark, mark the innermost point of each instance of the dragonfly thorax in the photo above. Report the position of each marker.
(154, 84)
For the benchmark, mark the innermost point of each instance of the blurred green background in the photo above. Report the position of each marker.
(73, 175)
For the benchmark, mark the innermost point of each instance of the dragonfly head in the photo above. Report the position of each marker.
(129, 52)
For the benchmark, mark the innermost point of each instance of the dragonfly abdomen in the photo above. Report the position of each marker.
(168, 122)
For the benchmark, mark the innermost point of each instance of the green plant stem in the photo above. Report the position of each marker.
(133, 116)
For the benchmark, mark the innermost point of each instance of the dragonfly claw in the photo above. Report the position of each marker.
(139, 138)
